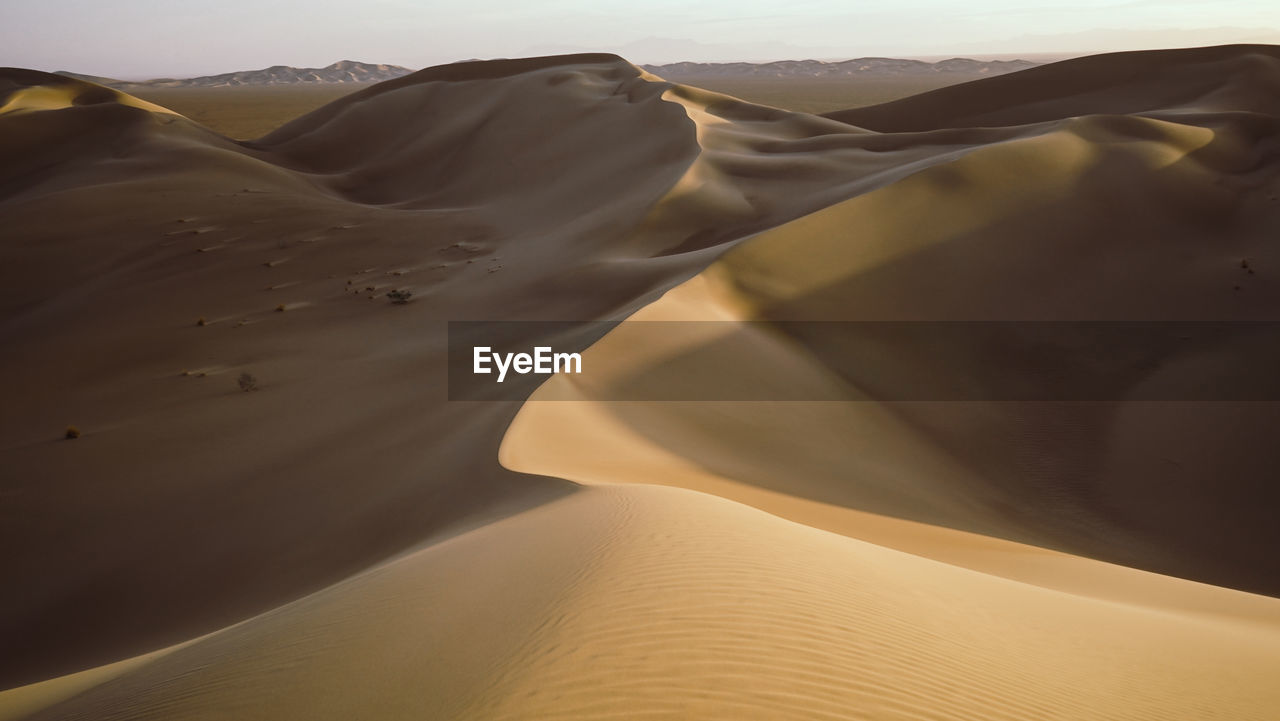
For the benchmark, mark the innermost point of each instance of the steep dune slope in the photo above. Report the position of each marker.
(1095, 218)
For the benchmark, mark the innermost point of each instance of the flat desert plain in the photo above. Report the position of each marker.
(246, 111)
(822, 95)
(273, 510)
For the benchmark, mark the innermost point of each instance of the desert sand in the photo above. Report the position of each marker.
(346, 542)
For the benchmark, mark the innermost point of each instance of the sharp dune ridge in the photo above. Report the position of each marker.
(343, 541)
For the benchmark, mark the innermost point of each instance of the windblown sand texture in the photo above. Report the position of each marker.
(344, 542)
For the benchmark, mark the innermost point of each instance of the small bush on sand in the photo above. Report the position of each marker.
(72, 432)
(247, 382)
(400, 297)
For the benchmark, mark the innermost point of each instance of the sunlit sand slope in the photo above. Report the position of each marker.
(646, 602)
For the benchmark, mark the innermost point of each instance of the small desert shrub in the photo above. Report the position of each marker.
(280, 308)
(400, 297)
(200, 320)
(247, 382)
(72, 432)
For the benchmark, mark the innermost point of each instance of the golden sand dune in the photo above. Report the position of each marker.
(643, 602)
(342, 541)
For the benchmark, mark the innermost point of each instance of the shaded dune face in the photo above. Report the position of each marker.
(1163, 216)
(470, 142)
(344, 541)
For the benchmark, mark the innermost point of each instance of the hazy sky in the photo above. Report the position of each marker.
(149, 38)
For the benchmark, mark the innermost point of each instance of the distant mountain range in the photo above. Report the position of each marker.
(349, 71)
(344, 71)
(858, 67)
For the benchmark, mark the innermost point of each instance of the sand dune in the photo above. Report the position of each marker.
(1089, 218)
(662, 603)
(345, 542)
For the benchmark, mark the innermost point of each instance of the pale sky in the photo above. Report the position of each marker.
(134, 39)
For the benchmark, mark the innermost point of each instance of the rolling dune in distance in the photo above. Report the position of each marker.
(346, 542)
